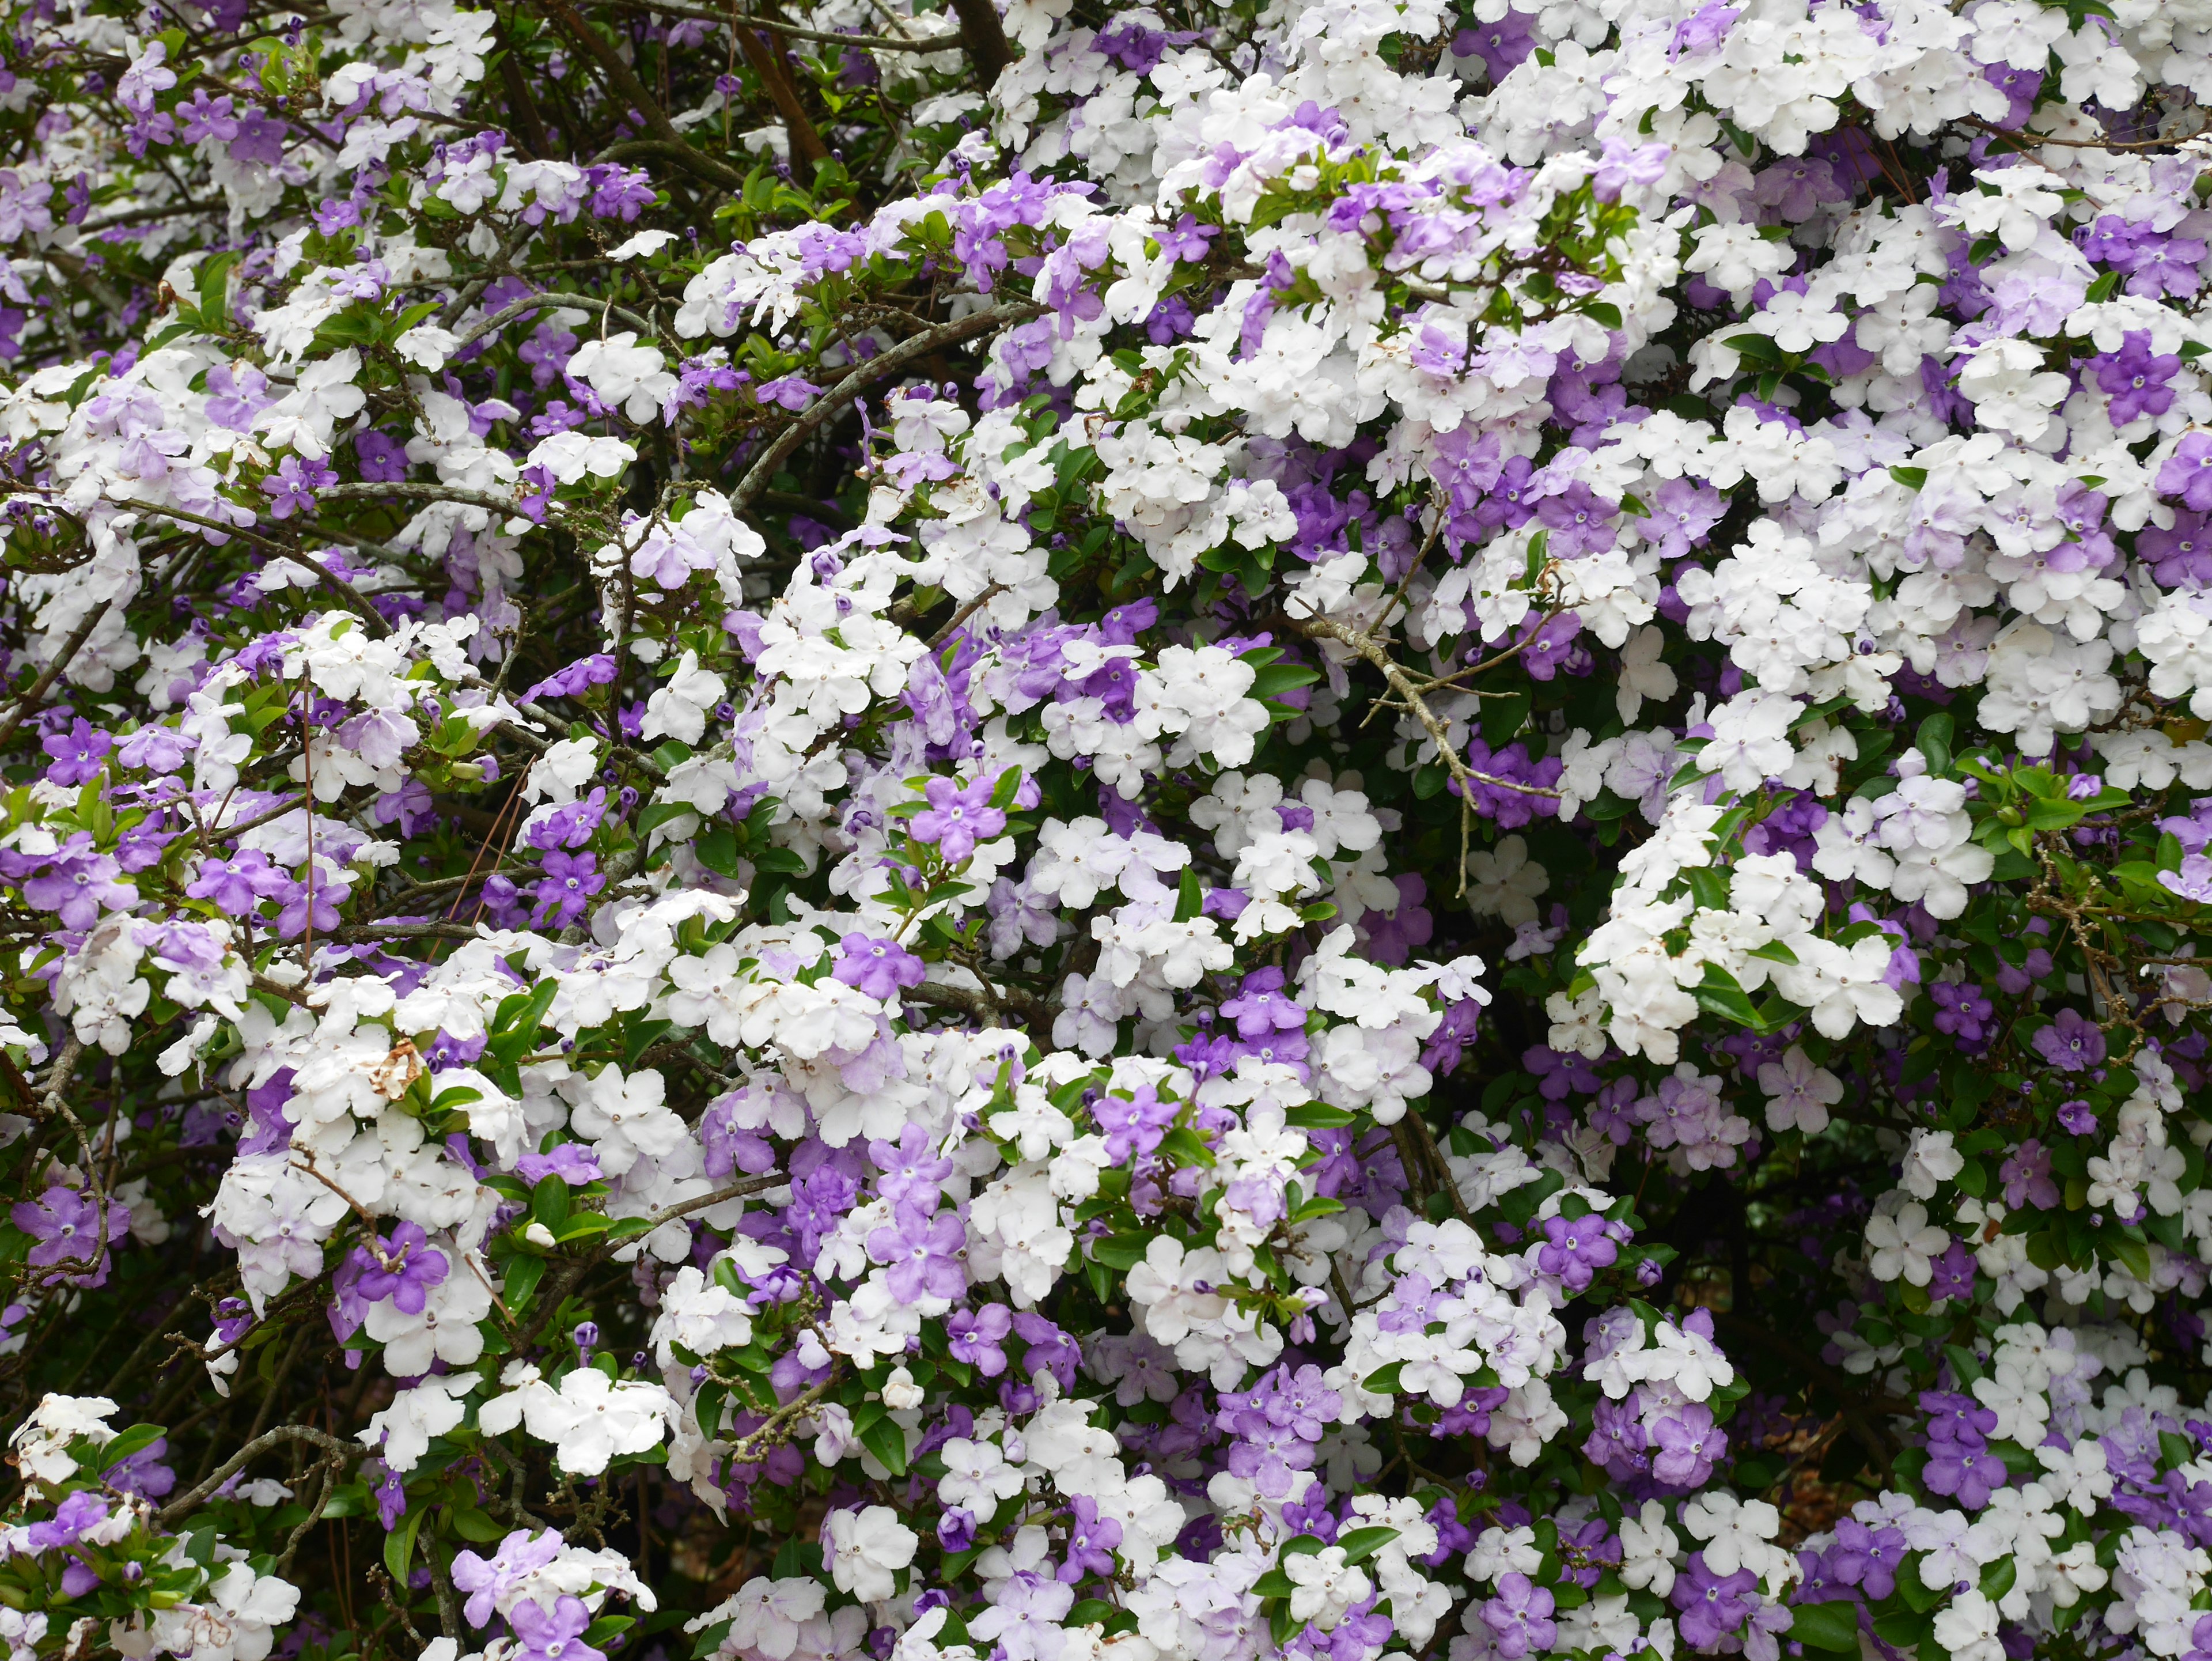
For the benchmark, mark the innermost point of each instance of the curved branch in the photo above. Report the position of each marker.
(229, 1468)
(792, 31)
(427, 492)
(38, 689)
(881, 367)
(534, 302)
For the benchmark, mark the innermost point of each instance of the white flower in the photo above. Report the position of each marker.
(1326, 1586)
(626, 1119)
(1505, 883)
(624, 372)
(1647, 1550)
(401, 1434)
(1904, 1245)
(444, 1330)
(976, 1476)
(589, 1420)
(1929, 1159)
(1799, 1094)
(866, 1549)
(1968, 1628)
(677, 710)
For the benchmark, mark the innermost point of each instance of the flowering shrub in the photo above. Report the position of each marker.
(1344, 829)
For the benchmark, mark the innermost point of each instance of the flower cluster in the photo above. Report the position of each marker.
(1341, 830)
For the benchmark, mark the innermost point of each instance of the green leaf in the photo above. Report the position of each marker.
(1122, 1251)
(1912, 479)
(523, 1276)
(1277, 678)
(399, 1545)
(1190, 896)
(1904, 1629)
(1916, 1591)
(1316, 1115)
(137, 1439)
(1384, 1381)
(549, 1202)
(1719, 994)
(1826, 1626)
(717, 848)
(475, 1526)
(1360, 1544)
(886, 1439)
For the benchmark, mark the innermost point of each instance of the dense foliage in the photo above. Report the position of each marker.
(1343, 829)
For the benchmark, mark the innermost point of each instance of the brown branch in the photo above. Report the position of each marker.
(985, 37)
(808, 152)
(176, 1509)
(38, 687)
(885, 364)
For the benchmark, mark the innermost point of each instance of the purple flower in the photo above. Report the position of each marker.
(2181, 555)
(65, 1226)
(1501, 45)
(1962, 1010)
(1713, 1605)
(912, 1172)
(299, 908)
(390, 1500)
(237, 885)
(292, 487)
(2076, 1117)
(383, 458)
(923, 1254)
(619, 192)
(1260, 1009)
(1575, 1250)
(1624, 163)
(2188, 472)
(974, 1337)
(555, 1635)
(1953, 1274)
(143, 1473)
(1091, 1541)
(1520, 1616)
(153, 750)
(2071, 1043)
(877, 967)
(2026, 1177)
(1956, 1417)
(1576, 521)
(1701, 33)
(2193, 882)
(565, 890)
(570, 826)
(80, 885)
(519, 1556)
(1549, 645)
(80, 754)
(2135, 379)
(1134, 1126)
(1967, 1474)
(1686, 1443)
(956, 819)
(1867, 1558)
(402, 1268)
(77, 1512)
(956, 1529)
